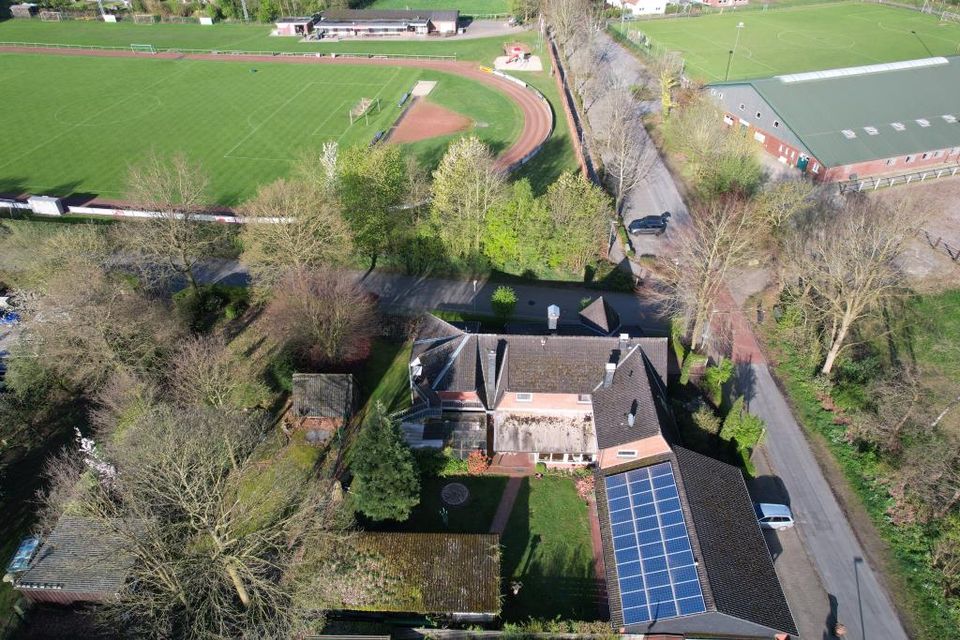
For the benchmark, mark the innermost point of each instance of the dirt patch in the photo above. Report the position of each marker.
(426, 120)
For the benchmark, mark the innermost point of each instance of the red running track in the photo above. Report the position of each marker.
(537, 114)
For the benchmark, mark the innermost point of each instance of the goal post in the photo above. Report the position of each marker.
(143, 48)
(363, 108)
(51, 16)
(144, 18)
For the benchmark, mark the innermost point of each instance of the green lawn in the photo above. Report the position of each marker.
(547, 548)
(474, 517)
(79, 122)
(385, 376)
(802, 38)
(245, 37)
(467, 7)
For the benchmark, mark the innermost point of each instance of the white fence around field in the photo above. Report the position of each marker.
(220, 52)
(113, 212)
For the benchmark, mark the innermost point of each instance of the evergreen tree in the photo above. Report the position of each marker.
(386, 484)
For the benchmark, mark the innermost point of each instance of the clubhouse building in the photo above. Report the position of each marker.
(853, 123)
(366, 23)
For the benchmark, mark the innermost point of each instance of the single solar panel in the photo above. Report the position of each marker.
(656, 569)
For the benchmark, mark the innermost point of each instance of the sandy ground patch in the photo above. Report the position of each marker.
(927, 261)
(423, 88)
(532, 63)
(427, 120)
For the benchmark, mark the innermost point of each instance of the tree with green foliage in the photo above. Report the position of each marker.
(524, 10)
(386, 484)
(715, 377)
(504, 301)
(581, 214)
(268, 11)
(466, 187)
(742, 428)
(372, 184)
(517, 230)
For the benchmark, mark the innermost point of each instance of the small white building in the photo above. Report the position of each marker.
(640, 7)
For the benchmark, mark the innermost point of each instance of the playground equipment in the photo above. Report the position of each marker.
(516, 52)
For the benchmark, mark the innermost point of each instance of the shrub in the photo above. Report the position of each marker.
(504, 301)
(200, 308)
(585, 486)
(692, 360)
(477, 463)
(715, 377)
(743, 431)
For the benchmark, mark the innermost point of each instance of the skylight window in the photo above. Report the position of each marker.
(898, 126)
(871, 131)
(923, 122)
(950, 118)
(849, 134)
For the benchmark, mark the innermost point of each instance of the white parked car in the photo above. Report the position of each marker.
(773, 516)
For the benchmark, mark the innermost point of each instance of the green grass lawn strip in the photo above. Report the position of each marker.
(801, 38)
(547, 548)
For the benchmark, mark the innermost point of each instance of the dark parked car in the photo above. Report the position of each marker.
(654, 225)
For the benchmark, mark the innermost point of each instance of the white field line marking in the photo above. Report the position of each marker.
(95, 115)
(268, 118)
(329, 115)
(376, 95)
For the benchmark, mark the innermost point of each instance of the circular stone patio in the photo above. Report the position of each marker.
(455, 494)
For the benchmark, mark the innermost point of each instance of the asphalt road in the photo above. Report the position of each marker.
(418, 293)
(862, 604)
(658, 192)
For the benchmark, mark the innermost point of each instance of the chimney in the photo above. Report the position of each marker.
(490, 378)
(608, 372)
(624, 339)
(553, 317)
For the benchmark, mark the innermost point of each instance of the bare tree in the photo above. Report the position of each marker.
(900, 409)
(847, 262)
(91, 325)
(567, 17)
(31, 256)
(203, 372)
(210, 559)
(315, 233)
(722, 235)
(175, 241)
(324, 315)
(627, 150)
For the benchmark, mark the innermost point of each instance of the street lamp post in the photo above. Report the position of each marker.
(726, 76)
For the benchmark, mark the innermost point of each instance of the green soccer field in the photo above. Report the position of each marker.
(72, 125)
(804, 38)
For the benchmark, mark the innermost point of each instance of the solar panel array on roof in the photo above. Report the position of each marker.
(655, 565)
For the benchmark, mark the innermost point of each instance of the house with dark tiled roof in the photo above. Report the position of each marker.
(683, 553)
(82, 560)
(323, 402)
(538, 394)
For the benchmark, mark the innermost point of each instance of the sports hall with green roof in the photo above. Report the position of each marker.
(855, 122)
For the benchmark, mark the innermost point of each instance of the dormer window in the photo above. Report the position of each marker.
(923, 122)
(524, 397)
(950, 119)
(871, 131)
(849, 134)
(583, 398)
(898, 126)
